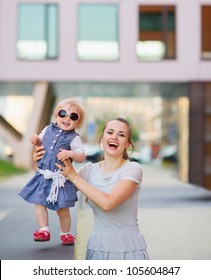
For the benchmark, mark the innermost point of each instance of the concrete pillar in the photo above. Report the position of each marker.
(43, 98)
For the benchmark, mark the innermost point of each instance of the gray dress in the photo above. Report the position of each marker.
(116, 234)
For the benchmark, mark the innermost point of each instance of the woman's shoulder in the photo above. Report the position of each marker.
(133, 164)
(132, 171)
(86, 168)
(132, 168)
(88, 165)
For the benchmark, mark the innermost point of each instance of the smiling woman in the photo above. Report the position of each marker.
(118, 138)
(112, 187)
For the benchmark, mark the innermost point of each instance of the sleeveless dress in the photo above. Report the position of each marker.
(38, 188)
(116, 234)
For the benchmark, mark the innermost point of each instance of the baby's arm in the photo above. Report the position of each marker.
(77, 152)
(65, 154)
(35, 140)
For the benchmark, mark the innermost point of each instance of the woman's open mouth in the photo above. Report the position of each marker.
(113, 145)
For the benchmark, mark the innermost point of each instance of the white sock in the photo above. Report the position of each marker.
(64, 233)
(45, 228)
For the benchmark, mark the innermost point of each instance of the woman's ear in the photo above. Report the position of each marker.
(128, 145)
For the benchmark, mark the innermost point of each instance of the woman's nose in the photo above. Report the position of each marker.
(115, 135)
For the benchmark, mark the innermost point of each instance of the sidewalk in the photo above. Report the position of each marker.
(174, 217)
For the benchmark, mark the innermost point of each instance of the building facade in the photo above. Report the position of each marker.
(140, 45)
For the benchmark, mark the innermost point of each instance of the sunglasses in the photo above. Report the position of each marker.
(73, 116)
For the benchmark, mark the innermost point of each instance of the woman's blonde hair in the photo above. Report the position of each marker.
(71, 103)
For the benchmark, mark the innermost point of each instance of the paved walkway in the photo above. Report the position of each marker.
(174, 217)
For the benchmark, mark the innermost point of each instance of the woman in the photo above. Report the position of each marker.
(112, 187)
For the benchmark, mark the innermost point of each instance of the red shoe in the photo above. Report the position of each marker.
(42, 236)
(67, 239)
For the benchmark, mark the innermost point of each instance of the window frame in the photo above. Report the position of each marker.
(56, 33)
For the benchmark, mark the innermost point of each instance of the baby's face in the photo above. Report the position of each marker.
(67, 118)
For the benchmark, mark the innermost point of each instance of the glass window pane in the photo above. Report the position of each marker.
(156, 38)
(206, 32)
(98, 32)
(52, 39)
(37, 31)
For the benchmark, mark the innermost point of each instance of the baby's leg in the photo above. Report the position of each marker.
(65, 224)
(43, 233)
(64, 219)
(41, 215)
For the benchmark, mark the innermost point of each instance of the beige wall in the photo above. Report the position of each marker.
(187, 66)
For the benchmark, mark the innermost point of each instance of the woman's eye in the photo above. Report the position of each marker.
(122, 135)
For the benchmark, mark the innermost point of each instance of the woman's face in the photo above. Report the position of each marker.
(115, 138)
(63, 117)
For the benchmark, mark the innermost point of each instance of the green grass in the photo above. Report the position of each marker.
(8, 169)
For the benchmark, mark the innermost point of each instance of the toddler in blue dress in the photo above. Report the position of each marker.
(49, 188)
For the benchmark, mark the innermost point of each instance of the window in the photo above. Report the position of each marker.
(37, 31)
(156, 38)
(206, 32)
(98, 32)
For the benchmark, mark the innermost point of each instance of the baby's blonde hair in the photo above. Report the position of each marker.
(71, 103)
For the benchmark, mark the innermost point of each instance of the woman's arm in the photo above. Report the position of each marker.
(107, 201)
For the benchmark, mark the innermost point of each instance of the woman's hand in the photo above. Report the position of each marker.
(68, 170)
(37, 155)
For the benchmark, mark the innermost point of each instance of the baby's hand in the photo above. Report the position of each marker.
(35, 140)
(64, 154)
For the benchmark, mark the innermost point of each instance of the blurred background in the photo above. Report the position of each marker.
(147, 61)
